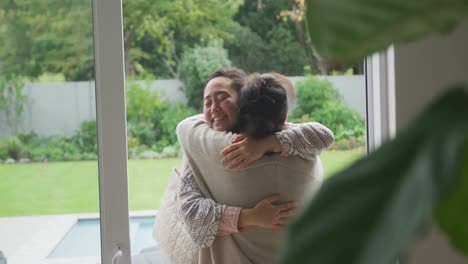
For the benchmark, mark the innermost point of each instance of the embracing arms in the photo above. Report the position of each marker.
(306, 140)
(204, 218)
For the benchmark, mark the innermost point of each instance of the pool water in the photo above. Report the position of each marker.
(84, 238)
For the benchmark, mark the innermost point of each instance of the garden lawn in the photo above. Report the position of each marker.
(72, 187)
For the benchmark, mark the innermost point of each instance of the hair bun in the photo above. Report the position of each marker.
(263, 83)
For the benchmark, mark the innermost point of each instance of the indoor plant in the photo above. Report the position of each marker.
(370, 212)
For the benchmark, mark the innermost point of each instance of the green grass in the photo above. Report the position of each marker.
(336, 160)
(72, 187)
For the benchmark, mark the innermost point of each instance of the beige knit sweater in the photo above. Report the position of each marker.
(292, 177)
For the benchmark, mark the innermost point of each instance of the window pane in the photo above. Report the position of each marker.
(48, 152)
(171, 48)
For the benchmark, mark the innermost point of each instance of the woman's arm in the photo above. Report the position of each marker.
(192, 133)
(205, 219)
(201, 215)
(306, 140)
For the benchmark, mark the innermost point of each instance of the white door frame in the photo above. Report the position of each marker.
(380, 98)
(112, 131)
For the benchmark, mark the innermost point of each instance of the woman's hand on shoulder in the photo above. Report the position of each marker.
(241, 152)
(244, 150)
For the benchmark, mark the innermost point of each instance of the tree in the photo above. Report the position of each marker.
(12, 101)
(295, 14)
(46, 37)
(57, 37)
(157, 33)
(283, 50)
(196, 66)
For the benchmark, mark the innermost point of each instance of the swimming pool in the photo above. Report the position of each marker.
(83, 238)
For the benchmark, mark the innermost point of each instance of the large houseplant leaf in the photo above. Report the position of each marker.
(352, 29)
(452, 214)
(369, 212)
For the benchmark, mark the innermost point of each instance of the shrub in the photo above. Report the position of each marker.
(313, 94)
(171, 152)
(69, 150)
(319, 101)
(151, 133)
(35, 147)
(151, 119)
(38, 154)
(144, 132)
(195, 67)
(145, 109)
(134, 153)
(39, 148)
(3, 149)
(89, 156)
(132, 142)
(28, 138)
(32, 144)
(15, 147)
(54, 154)
(85, 138)
(342, 120)
(143, 104)
(170, 120)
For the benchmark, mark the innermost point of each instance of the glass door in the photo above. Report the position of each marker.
(49, 191)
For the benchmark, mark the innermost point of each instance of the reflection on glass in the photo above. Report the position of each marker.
(48, 151)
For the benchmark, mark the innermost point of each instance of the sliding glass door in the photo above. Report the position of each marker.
(74, 72)
(49, 191)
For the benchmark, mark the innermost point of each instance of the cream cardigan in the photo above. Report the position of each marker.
(292, 177)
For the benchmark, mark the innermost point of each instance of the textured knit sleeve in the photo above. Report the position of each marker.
(306, 140)
(201, 215)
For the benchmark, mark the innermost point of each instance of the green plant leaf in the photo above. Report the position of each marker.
(349, 30)
(452, 214)
(369, 212)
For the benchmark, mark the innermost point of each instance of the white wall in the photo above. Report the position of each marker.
(59, 108)
(352, 87)
(423, 70)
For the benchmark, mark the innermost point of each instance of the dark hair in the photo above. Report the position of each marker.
(289, 86)
(263, 105)
(236, 75)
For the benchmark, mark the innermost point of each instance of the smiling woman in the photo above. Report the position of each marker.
(221, 97)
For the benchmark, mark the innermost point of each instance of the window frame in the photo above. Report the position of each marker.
(111, 131)
(379, 72)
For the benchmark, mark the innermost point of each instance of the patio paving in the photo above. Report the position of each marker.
(30, 239)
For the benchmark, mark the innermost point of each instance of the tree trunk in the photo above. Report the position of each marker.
(129, 65)
(317, 65)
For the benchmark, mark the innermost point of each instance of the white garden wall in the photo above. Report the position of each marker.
(59, 108)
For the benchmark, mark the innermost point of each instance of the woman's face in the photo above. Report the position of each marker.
(220, 107)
